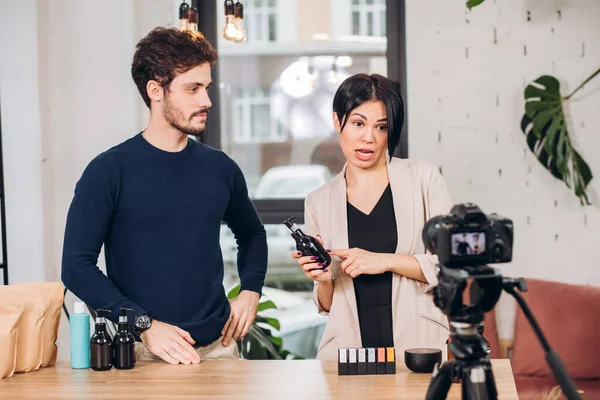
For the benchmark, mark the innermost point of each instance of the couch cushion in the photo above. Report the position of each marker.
(569, 316)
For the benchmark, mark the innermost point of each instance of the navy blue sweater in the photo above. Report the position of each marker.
(158, 215)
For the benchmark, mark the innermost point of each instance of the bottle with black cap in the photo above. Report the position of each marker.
(101, 345)
(123, 344)
(308, 245)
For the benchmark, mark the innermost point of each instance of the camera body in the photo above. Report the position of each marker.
(467, 236)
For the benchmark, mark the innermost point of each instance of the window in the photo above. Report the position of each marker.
(274, 118)
(252, 121)
(260, 17)
(368, 17)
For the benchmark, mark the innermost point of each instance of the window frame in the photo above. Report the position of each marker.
(243, 103)
(363, 9)
(266, 11)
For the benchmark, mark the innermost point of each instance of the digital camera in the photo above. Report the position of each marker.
(467, 236)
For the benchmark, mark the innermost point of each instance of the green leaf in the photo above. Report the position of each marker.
(274, 323)
(269, 321)
(474, 3)
(548, 138)
(234, 292)
(551, 133)
(541, 120)
(259, 336)
(533, 107)
(551, 84)
(582, 175)
(561, 161)
(259, 343)
(265, 305)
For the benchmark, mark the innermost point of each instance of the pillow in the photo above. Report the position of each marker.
(569, 317)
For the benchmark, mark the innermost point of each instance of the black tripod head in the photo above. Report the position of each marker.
(484, 292)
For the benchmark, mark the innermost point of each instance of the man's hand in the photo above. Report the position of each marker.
(172, 344)
(243, 312)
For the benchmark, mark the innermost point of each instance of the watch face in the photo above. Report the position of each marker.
(143, 322)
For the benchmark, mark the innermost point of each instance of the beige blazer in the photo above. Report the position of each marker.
(419, 193)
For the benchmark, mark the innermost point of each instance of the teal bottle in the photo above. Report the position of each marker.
(80, 337)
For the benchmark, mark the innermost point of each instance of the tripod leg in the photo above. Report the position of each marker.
(491, 383)
(441, 381)
(474, 385)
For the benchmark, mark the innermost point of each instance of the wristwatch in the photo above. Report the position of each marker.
(142, 323)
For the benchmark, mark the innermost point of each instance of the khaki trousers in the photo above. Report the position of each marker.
(213, 351)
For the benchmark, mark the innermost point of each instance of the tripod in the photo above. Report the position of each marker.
(472, 366)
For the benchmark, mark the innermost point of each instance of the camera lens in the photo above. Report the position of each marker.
(430, 232)
(497, 249)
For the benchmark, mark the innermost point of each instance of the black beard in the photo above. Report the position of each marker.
(175, 117)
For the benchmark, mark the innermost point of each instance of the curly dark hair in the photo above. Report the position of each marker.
(166, 52)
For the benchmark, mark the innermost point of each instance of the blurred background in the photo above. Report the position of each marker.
(66, 94)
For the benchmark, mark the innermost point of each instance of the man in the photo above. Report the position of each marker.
(464, 248)
(156, 202)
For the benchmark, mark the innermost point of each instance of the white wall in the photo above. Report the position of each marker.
(66, 95)
(464, 115)
(21, 140)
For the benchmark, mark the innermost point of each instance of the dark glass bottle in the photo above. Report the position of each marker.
(308, 245)
(123, 344)
(101, 345)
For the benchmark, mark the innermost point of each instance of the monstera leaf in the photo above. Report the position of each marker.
(260, 343)
(474, 3)
(547, 135)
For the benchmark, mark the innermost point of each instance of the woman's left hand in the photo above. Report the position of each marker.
(357, 262)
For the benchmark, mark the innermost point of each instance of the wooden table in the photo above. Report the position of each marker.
(280, 380)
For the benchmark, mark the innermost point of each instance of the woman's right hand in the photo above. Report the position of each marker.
(311, 267)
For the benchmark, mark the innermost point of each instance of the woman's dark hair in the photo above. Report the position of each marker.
(361, 88)
(166, 52)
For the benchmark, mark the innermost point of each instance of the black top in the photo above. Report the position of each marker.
(158, 215)
(377, 233)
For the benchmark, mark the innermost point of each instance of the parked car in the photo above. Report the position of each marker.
(291, 181)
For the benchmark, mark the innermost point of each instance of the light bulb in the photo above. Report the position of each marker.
(239, 21)
(184, 15)
(230, 31)
(193, 24)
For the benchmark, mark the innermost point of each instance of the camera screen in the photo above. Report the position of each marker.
(468, 244)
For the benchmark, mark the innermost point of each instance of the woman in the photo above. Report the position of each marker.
(372, 215)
